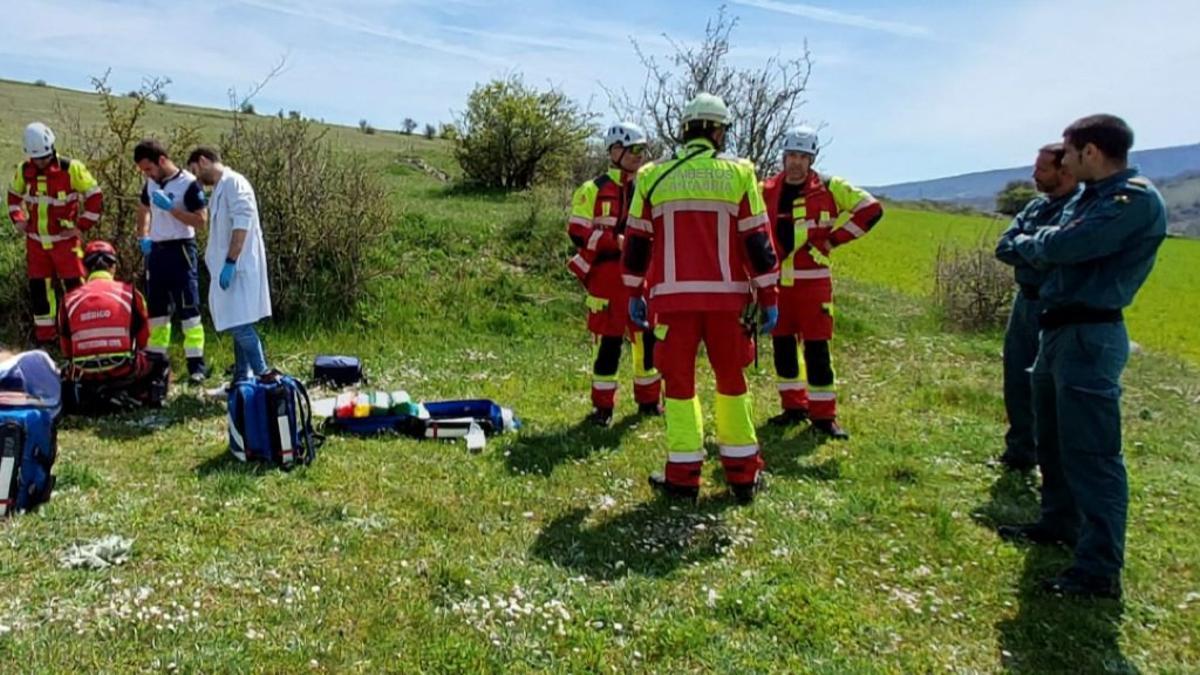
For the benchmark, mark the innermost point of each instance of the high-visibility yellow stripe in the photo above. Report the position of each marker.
(735, 423)
(685, 425)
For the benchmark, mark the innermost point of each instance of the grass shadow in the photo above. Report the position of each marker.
(138, 423)
(1013, 500)
(1050, 634)
(785, 449)
(465, 190)
(653, 539)
(541, 453)
(225, 464)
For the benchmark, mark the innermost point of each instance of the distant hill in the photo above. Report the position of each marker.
(1163, 165)
(1183, 204)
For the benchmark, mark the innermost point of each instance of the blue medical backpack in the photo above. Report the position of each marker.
(28, 448)
(270, 421)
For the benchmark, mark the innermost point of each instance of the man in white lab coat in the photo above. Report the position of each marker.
(239, 295)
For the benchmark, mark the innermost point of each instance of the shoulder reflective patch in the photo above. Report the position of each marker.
(1140, 180)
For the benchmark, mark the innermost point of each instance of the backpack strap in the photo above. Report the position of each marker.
(310, 439)
(676, 165)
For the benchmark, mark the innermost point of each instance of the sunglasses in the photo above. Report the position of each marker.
(636, 150)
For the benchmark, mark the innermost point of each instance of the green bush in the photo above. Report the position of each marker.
(1015, 195)
(322, 213)
(512, 135)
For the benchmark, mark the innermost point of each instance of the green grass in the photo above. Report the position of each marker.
(901, 251)
(547, 552)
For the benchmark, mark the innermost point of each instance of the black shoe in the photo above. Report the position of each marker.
(1074, 583)
(1016, 463)
(601, 417)
(831, 429)
(744, 493)
(1032, 533)
(789, 417)
(650, 409)
(681, 492)
(198, 371)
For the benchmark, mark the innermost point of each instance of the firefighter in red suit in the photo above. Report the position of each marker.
(51, 199)
(698, 242)
(804, 207)
(103, 330)
(599, 210)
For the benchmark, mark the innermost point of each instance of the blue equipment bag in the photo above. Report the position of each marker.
(337, 371)
(28, 448)
(270, 420)
(487, 414)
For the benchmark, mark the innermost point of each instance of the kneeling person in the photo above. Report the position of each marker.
(104, 330)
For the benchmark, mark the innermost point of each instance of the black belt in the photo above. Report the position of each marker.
(1030, 291)
(607, 257)
(1066, 316)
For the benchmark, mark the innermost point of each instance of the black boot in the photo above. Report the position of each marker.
(789, 417)
(1012, 462)
(744, 493)
(1032, 533)
(680, 492)
(198, 370)
(831, 429)
(1075, 583)
(601, 417)
(650, 409)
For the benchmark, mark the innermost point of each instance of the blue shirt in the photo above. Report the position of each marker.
(1041, 211)
(1105, 247)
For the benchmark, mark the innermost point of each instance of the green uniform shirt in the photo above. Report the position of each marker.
(1041, 211)
(1105, 247)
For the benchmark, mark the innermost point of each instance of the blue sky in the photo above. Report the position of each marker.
(907, 90)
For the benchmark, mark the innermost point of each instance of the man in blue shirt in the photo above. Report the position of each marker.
(1058, 188)
(1095, 262)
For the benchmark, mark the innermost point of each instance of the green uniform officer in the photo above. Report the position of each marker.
(1095, 262)
(1058, 188)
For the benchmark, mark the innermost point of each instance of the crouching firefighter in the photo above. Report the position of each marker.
(804, 206)
(698, 235)
(599, 210)
(104, 329)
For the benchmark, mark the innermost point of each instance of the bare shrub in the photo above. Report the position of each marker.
(972, 290)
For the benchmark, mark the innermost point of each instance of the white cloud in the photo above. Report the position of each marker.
(836, 17)
(340, 20)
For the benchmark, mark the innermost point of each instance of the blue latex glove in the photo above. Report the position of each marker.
(770, 317)
(227, 272)
(144, 242)
(162, 200)
(637, 312)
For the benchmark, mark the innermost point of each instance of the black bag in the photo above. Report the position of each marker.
(337, 371)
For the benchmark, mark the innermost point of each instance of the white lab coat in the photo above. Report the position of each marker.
(234, 207)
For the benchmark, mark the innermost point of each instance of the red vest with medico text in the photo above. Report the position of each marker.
(99, 319)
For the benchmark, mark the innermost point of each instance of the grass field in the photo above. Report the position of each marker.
(547, 551)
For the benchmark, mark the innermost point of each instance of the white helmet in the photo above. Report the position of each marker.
(708, 108)
(625, 133)
(39, 141)
(801, 139)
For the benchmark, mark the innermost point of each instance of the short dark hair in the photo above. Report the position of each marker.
(207, 152)
(699, 129)
(1109, 133)
(149, 149)
(1055, 149)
